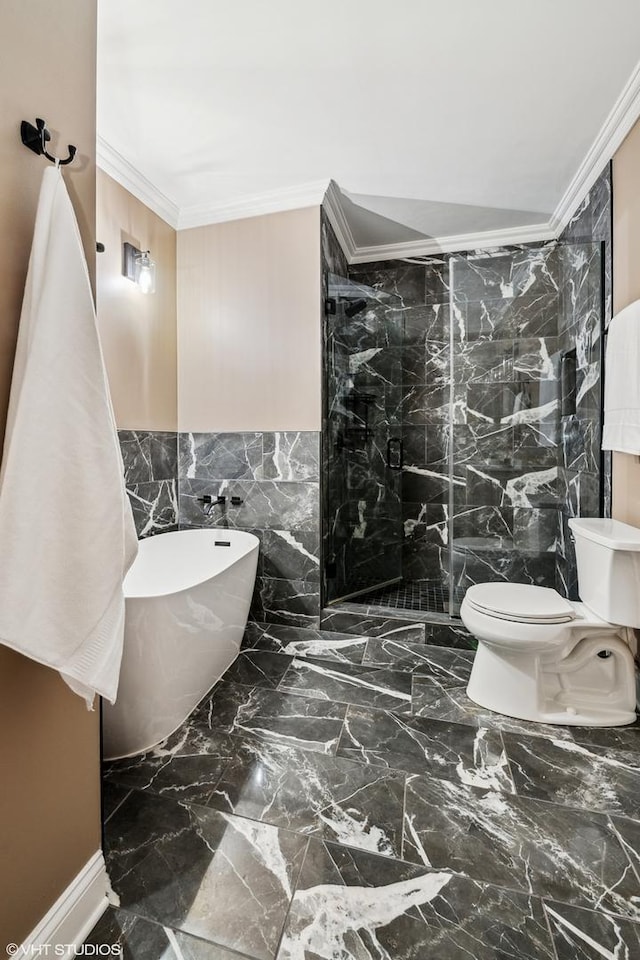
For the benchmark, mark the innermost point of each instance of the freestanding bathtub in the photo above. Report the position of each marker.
(187, 602)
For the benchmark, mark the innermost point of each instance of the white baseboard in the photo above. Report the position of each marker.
(73, 914)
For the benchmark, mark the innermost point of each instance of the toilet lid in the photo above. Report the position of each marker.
(520, 602)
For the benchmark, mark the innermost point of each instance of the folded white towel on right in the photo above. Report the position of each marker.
(621, 429)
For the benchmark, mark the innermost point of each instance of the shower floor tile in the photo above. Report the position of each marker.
(429, 596)
(302, 811)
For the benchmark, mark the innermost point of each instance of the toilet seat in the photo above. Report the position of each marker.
(520, 603)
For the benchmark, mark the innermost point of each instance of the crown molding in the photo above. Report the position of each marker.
(118, 167)
(332, 206)
(271, 201)
(617, 125)
(462, 241)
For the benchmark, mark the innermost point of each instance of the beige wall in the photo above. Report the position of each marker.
(138, 332)
(249, 326)
(49, 743)
(626, 288)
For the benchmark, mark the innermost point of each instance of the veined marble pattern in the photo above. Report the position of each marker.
(280, 823)
(471, 756)
(350, 904)
(305, 722)
(148, 455)
(319, 644)
(587, 935)
(573, 856)
(155, 506)
(139, 939)
(150, 469)
(444, 699)
(193, 868)
(574, 774)
(249, 456)
(349, 683)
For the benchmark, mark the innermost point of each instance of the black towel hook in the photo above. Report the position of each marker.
(36, 139)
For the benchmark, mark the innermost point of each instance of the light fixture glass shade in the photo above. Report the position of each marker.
(145, 273)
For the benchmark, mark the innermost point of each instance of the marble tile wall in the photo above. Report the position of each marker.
(363, 392)
(506, 415)
(276, 476)
(585, 470)
(151, 469)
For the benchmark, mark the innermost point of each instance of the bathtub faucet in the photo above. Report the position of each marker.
(208, 503)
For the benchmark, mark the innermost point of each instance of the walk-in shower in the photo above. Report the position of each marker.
(462, 421)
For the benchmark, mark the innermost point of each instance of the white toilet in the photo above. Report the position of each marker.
(550, 660)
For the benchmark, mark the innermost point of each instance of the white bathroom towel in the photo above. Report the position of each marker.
(622, 382)
(66, 529)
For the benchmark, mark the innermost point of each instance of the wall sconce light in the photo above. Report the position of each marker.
(138, 266)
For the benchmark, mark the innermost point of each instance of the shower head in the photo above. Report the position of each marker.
(355, 307)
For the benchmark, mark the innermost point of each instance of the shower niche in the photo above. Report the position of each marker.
(462, 417)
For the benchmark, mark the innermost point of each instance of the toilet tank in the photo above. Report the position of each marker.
(608, 558)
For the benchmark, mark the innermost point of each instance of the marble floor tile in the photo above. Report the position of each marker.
(464, 754)
(181, 776)
(541, 848)
(349, 683)
(615, 738)
(357, 621)
(591, 935)
(444, 701)
(305, 722)
(628, 833)
(215, 876)
(351, 905)
(252, 634)
(258, 667)
(449, 666)
(312, 793)
(570, 773)
(112, 796)
(139, 939)
(305, 642)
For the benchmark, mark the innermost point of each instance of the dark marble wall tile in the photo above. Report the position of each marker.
(268, 504)
(506, 274)
(290, 456)
(291, 554)
(590, 235)
(155, 506)
(403, 280)
(294, 602)
(219, 456)
(507, 317)
(148, 455)
(249, 456)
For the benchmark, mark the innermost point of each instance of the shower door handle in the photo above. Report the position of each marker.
(394, 453)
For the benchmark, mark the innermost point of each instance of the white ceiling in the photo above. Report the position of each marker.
(435, 118)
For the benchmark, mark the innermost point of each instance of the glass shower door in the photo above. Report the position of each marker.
(362, 502)
(526, 404)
